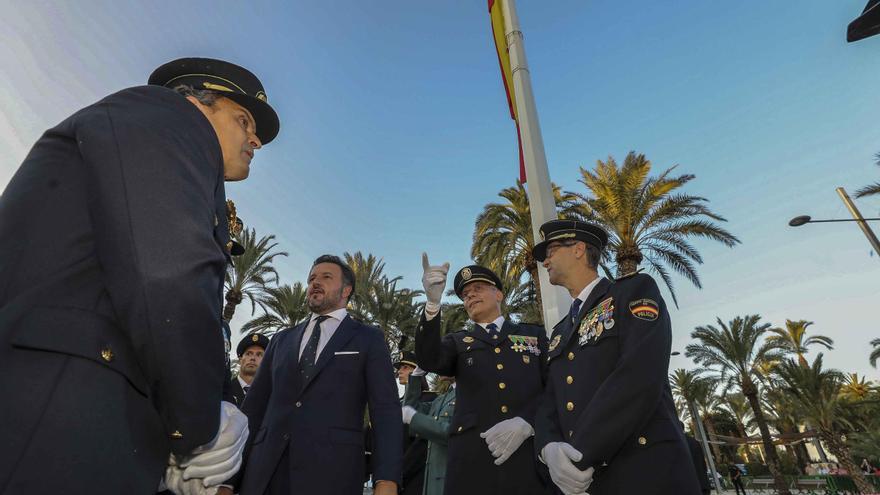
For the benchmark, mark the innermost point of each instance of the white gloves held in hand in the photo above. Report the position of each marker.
(213, 463)
(408, 413)
(560, 458)
(434, 280)
(505, 437)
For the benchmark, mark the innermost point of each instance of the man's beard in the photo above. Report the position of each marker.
(329, 302)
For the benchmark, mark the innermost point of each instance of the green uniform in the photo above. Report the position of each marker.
(431, 422)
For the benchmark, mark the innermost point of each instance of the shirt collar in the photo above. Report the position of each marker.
(338, 315)
(588, 289)
(242, 382)
(499, 322)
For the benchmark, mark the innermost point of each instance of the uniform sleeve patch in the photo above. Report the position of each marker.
(645, 309)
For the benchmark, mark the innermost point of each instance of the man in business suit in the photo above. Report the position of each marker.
(112, 264)
(306, 406)
(606, 421)
(250, 354)
(499, 370)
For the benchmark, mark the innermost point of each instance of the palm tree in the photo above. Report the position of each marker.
(455, 317)
(503, 238)
(739, 408)
(817, 392)
(855, 388)
(368, 273)
(875, 354)
(686, 386)
(252, 272)
(793, 339)
(706, 403)
(647, 220)
(736, 351)
(871, 189)
(283, 307)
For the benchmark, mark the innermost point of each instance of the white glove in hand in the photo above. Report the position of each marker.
(434, 280)
(560, 458)
(174, 481)
(408, 413)
(505, 437)
(219, 460)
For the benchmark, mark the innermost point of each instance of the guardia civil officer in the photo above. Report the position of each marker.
(499, 370)
(415, 448)
(112, 262)
(250, 352)
(607, 415)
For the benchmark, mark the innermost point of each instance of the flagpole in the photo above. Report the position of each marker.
(542, 205)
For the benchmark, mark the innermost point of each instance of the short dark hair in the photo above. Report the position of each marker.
(593, 256)
(347, 272)
(204, 96)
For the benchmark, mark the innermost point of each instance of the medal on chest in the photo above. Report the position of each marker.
(596, 321)
(524, 343)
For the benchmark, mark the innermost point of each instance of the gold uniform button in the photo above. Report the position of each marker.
(570, 406)
(107, 354)
(499, 366)
(504, 409)
(571, 356)
(643, 440)
(497, 350)
(502, 386)
(177, 434)
(569, 379)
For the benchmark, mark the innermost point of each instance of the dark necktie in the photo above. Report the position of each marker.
(575, 308)
(493, 330)
(310, 353)
(246, 388)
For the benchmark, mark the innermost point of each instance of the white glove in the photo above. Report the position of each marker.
(506, 436)
(408, 413)
(219, 460)
(174, 481)
(434, 280)
(418, 372)
(560, 458)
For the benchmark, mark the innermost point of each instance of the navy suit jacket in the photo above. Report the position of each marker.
(322, 422)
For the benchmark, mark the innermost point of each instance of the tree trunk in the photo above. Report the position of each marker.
(233, 299)
(744, 436)
(710, 432)
(533, 272)
(772, 458)
(840, 450)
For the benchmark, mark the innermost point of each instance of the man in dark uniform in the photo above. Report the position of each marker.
(112, 262)
(698, 460)
(250, 354)
(607, 411)
(499, 370)
(415, 449)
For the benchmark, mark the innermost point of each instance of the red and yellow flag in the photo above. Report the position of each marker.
(497, 19)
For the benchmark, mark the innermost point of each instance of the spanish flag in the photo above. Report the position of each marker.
(497, 19)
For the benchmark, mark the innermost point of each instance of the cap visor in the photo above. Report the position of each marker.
(264, 115)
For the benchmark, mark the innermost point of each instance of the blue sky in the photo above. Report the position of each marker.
(395, 131)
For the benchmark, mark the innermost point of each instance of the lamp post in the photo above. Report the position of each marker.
(857, 217)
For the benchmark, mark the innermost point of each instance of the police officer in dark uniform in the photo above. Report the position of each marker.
(499, 370)
(250, 352)
(607, 415)
(113, 257)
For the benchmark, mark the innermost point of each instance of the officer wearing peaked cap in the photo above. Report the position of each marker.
(250, 354)
(117, 217)
(607, 410)
(499, 367)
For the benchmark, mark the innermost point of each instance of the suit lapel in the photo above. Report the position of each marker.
(292, 354)
(344, 332)
(481, 334)
(598, 291)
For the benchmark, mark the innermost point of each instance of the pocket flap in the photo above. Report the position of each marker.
(83, 334)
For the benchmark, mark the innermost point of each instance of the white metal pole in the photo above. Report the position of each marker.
(556, 300)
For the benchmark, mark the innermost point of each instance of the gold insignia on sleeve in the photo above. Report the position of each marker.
(468, 339)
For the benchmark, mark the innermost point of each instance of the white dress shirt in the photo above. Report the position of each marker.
(498, 322)
(587, 291)
(242, 382)
(328, 328)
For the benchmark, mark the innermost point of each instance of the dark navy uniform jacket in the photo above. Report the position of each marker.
(111, 273)
(313, 433)
(608, 394)
(496, 379)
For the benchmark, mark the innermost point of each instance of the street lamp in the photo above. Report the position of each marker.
(857, 217)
